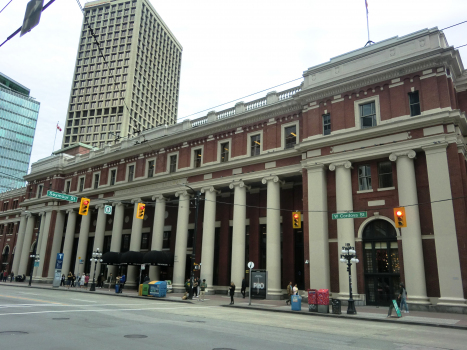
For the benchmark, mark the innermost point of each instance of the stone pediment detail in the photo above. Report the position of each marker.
(148, 189)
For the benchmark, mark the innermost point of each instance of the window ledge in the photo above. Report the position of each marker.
(386, 189)
(365, 191)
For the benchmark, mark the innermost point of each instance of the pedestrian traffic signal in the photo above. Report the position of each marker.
(84, 206)
(140, 211)
(399, 217)
(296, 219)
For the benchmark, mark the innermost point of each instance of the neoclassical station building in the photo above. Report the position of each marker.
(377, 128)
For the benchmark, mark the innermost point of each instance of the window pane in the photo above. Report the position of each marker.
(290, 136)
(255, 145)
(385, 174)
(364, 178)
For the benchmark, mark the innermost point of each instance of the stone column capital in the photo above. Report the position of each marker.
(435, 147)
(345, 164)
(117, 204)
(159, 197)
(69, 211)
(42, 213)
(240, 184)
(136, 200)
(272, 178)
(408, 153)
(99, 206)
(315, 167)
(182, 193)
(209, 189)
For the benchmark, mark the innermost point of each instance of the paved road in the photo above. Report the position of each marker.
(63, 320)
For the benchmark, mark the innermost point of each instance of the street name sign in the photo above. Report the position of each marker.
(356, 215)
(62, 196)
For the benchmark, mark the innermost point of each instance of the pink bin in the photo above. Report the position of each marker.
(312, 296)
(323, 297)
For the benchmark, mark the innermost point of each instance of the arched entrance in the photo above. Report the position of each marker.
(381, 262)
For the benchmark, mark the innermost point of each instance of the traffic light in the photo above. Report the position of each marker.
(296, 219)
(140, 210)
(84, 206)
(399, 217)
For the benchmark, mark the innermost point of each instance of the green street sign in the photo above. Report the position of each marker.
(356, 215)
(108, 209)
(62, 196)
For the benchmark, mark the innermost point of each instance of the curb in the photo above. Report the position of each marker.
(100, 293)
(352, 317)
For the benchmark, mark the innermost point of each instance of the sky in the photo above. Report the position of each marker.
(231, 49)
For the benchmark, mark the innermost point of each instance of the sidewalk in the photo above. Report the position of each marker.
(367, 313)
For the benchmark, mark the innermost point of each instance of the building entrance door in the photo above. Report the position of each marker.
(381, 262)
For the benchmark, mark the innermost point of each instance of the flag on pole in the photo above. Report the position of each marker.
(59, 128)
(366, 5)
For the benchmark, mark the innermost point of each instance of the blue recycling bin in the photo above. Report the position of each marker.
(296, 302)
(158, 289)
(117, 288)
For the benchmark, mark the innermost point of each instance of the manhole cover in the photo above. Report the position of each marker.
(60, 318)
(13, 333)
(135, 336)
(197, 321)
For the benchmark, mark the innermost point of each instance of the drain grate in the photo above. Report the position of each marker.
(60, 318)
(13, 333)
(135, 336)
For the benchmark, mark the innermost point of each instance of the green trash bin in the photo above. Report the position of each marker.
(145, 290)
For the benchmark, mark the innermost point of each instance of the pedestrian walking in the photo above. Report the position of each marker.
(86, 280)
(12, 276)
(403, 298)
(243, 290)
(110, 280)
(232, 292)
(289, 293)
(69, 279)
(5, 275)
(295, 289)
(62, 280)
(203, 286)
(82, 280)
(187, 289)
(195, 288)
(122, 283)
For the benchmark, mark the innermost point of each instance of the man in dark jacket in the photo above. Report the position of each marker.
(232, 292)
(243, 290)
(289, 293)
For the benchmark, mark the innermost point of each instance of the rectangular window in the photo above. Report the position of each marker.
(255, 145)
(113, 177)
(364, 178)
(414, 103)
(173, 164)
(197, 158)
(224, 152)
(39, 193)
(326, 124)
(125, 243)
(151, 168)
(67, 187)
(145, 240)
(81, 184)
(290, 136)
(166, 240)
(385, 174)
(367, 115)
(96, 181)
(131, 173)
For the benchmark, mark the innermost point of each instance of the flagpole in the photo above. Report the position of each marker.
(369, 42)
(56, 128)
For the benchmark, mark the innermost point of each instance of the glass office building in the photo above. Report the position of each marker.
(18, 119)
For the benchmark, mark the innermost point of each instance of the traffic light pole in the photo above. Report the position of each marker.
(34, 255)
(193, 252)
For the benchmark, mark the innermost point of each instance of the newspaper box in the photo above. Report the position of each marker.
(323, 301)
(312, 300)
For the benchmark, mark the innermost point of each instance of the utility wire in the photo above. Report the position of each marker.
(5, 6)
(454, 25)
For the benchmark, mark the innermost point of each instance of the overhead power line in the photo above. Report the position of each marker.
(5, 6)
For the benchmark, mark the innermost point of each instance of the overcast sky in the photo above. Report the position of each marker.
(230, 48)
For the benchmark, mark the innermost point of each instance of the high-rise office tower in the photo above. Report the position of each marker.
(135, 87)
(18, 119)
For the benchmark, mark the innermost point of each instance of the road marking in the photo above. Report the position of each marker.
(106, 310)
(88, 301)
(70, 305)
(27, 293)
(42, 301)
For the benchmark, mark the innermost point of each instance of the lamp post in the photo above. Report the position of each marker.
(96, 257)
(348, 256)
(193, 252)
(36, 259)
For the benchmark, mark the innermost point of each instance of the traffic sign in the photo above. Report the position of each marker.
(108, 209)
(62, 196)
(251, 265)
(356, 215)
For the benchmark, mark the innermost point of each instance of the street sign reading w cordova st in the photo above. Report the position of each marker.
(62, 196)
(356, 215)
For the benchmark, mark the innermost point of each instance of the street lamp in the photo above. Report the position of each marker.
(96, 257)
(193, 252)
(36, 259)
(348, 256)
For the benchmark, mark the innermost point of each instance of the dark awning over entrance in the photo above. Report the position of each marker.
(131, 258)
(158, 258)
(111, 258)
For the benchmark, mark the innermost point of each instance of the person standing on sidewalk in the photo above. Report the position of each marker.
(62, 280)
(12, 276)
(403, 298)
(232, 292)
(243, 290)
(122, 283)
(289, 293)
(295, 289)
(202, 291)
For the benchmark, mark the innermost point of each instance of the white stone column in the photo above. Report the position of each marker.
(68, 243)
(42, 237)
(23, 265)
(412, 249)
(82, 243)
(209, 235)
(19, 243)
(345, 227)
(135, 242)
(157, 233)
(318, 227)
(181, 240)
(273, 237)
(444, 226)
(238, 232)
(117, 229)
(98, 239)
(56, 244)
